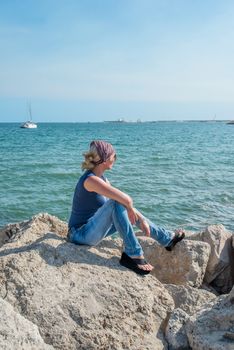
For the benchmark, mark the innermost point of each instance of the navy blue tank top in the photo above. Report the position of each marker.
(85, 203)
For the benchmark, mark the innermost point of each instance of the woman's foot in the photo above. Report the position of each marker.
(179, 235)
(137, 264)
(146, 266)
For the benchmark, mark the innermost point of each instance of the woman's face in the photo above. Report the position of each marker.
(110, 162)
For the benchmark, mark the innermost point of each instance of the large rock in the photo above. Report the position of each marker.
(187, 301)
(37, 225)
(175, 331)
(232, 259)
(185, 265)
(190, 299)
(80, 297)
(16, 332)
(213, 327)
(219, 271)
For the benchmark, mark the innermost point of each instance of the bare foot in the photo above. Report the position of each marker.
(146, 266)
(136, 263)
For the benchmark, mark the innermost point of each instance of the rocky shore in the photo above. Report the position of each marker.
(56, 295)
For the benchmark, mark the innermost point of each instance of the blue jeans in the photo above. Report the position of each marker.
(112, 217)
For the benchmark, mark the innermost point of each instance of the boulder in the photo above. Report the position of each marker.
(189, 299)
(16, 332)
(37, 225)
(80, 297)
(219, 271)
(213, 327)
(232, 259)
(185, 265)
(61, 296)
(175, 331)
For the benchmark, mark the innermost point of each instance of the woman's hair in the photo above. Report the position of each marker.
(99, 152)
(90, 159)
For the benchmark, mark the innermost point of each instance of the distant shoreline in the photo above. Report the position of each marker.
(129, 122)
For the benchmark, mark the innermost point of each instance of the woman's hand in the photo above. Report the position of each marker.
(132, 215)
(145, 227)
(143, 223)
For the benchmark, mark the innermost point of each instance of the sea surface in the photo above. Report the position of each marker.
(179, 174)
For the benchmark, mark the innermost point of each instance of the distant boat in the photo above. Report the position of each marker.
(231, 122)
(29, 124)
(120, 120)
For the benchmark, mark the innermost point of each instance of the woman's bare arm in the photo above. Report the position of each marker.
(96, 184)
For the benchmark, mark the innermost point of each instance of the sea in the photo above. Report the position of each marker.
(179, 174)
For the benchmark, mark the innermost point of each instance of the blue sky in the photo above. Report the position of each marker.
(93, 60)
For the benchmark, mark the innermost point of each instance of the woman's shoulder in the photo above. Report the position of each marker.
(89, 174)
(83, 177)
(87, 177)
(86, 174)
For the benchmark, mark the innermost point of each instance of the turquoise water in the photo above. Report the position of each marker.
(179, 174)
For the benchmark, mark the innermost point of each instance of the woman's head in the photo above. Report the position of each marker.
(99, 152)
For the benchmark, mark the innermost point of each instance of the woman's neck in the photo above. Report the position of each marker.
(98, 171)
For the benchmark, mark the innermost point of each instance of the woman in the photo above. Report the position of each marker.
(100, 209)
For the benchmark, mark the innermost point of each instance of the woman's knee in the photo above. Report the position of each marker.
(121, 213)
(112, 202)
(120, 207)
(116, 205)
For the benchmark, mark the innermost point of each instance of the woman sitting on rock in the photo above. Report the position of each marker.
(100, 209)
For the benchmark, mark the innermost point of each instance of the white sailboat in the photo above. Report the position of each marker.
(29, 124)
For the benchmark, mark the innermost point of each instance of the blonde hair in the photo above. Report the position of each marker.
(99, 152)
(91, 157)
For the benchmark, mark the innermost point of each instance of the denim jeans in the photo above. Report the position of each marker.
(112, 217)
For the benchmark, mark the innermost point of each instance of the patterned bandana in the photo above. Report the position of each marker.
(104, 150)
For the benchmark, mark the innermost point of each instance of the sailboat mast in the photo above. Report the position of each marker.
(30, 111)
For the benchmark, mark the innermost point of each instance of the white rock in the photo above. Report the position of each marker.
(208, 328)
(185, 265)
(190, 299)
(37, 225)
(16, 332)
(80, 297)
(175, 331)
(220, 269)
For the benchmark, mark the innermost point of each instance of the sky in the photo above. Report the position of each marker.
(96, 60)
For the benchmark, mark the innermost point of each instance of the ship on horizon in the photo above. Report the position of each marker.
(120, 120)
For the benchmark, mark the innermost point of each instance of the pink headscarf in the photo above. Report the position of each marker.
(104, 150)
